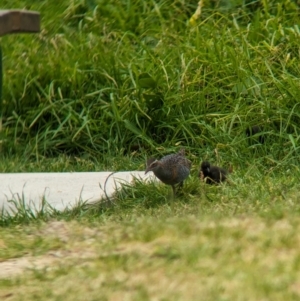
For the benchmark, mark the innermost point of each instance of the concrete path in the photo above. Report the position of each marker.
(61, 190)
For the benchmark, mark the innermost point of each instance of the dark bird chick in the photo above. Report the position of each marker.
(172, 169)
(212, 174)
(255, 130)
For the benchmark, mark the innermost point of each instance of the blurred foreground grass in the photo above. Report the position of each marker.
(146, 258)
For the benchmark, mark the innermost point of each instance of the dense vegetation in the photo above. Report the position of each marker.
(113, 78)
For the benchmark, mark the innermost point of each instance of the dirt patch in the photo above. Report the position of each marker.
(17, 266)
(80, 244)
(65, 232)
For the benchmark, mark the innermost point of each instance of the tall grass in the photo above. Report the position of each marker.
(112, 77)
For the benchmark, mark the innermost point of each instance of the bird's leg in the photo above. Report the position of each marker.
(180, 185)
(174, 192)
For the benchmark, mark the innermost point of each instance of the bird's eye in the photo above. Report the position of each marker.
(153, 165)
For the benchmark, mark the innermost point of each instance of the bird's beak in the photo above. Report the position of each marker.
(147, 170)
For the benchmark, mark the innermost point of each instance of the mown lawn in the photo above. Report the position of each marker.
(184, 257)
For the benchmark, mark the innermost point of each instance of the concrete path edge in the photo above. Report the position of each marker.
(61, 190)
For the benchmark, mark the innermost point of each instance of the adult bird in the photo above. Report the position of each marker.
(171, 169)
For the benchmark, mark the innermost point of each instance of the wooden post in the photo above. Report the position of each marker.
(1, 105)
(15, 21)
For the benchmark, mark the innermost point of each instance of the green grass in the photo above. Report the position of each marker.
(109, 78)
(106, 84)
(176, 258)
(237, 241)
